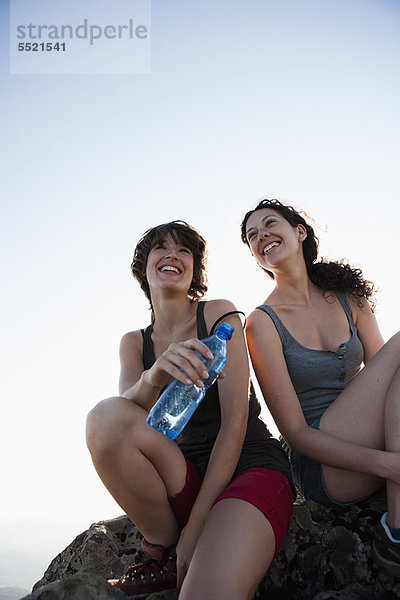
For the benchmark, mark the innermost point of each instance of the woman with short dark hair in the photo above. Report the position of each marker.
(215, 504)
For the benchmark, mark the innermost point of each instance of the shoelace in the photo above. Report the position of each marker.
(144, 570)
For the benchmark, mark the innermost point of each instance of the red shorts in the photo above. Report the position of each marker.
(267, 490)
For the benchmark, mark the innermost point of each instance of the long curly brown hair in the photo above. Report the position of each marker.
(336, 276)
(182, 233)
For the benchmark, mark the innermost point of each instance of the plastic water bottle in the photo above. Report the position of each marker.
(177, 403)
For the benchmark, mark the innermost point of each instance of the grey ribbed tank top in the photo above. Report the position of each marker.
(318, 376)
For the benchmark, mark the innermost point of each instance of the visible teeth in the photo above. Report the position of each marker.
(270, 246)
(169, 268)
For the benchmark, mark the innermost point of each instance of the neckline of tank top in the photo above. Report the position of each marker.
(341, 347)
(200, 324)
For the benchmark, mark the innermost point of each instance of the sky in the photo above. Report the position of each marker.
(290, 99)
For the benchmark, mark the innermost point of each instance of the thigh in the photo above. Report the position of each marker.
(270, 492)
(233, 553)
(358, 416)
(120, 429)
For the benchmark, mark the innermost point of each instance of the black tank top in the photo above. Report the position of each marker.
(260, 449)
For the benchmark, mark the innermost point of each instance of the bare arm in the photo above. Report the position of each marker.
(234, 404)
(233, 397)
(143, 386)
(270, 367)
(367, 327)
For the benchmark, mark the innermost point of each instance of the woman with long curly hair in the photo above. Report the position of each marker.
(307, 342)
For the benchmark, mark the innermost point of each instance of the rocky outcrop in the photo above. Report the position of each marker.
(326, 556)
(106, 549)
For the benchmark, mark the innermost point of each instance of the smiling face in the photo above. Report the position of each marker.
(284, 215)
(169, 264)
(272, 239)
(185, 245)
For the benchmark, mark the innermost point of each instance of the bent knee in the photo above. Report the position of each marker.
(97, 424)
(393, 345)
(108, 422)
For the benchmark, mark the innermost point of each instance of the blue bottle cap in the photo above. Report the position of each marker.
(225, 330)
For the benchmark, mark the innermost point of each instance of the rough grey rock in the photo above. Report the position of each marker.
(326, 556)
(107, 548)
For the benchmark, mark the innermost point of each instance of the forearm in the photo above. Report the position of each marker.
(335, 452)
(143, 393)
(221, 466)
(180, 360)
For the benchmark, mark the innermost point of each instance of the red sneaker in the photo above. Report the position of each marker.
(154, 574)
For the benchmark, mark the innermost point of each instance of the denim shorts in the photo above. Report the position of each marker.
(308, 478)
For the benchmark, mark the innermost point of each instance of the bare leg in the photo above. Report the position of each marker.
(367, 413)
(392, 443)
(138, 465)
(232, 555)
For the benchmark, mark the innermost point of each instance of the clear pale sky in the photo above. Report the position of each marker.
(290, 99)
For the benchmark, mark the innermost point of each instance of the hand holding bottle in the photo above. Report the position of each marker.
(181, 362)
(174, 408)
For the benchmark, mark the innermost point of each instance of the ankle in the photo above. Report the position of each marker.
(158, 551)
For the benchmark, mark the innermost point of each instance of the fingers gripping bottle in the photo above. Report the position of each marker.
(177, 403)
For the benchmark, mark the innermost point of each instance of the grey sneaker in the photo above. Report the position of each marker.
(385, 551)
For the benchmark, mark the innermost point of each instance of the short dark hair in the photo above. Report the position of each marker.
(182, 233)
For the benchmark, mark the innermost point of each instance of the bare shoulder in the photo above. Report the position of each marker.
(131, 343)
(260, 330)
(367, 326)
(219, 310)
(220, 304)
(259, 318)
(256, 317)
(216, 308)
(360, 307)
